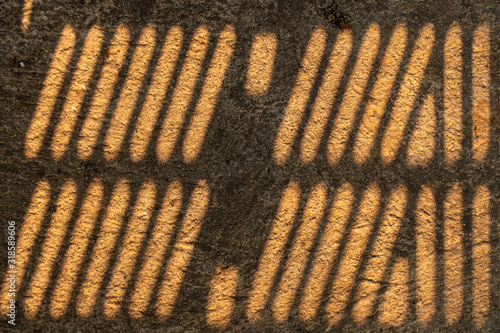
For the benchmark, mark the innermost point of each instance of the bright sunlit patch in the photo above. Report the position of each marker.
(351, 100)
(300, 95)
(327, 252)
(321, 110)
(50, 248)
(48, 96)
(351, 258)
(273, 251)
(407, 94)
(299, 253)
(422, 140)
(481, 255)
(77, 249)
(452, 97)
(129, 249)
(208, 97)
(103, 249)
(481, 92)
(394, 309)
(178, 263)
(76, 93)
(261, 63)
(130, 92)
(220, 304)
(425, 238)
(26, 16)
(372, 277)
(103, 92)
(156, 250)
(379, 96)
(156, 94)
(453, 254)
(183, 92)
(28, 233)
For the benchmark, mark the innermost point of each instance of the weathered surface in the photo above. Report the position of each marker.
(251, 165)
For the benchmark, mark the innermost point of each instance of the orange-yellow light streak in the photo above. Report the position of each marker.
(156, 248)
(182, 94)
(261, 63)
(77, 249)
(351, 100)
(322, 105)
(76, 93)
(327, 252)
(156, 94)
(481, 256)
(221, 297)
(300, 95)
(299, 253)
(407, 94)
(129, 249)
(372, 277)
(481, 92)
(103, 92)
(208, 97)
(122, 115)
(425, 238)
(351, 258)
(452, 97)
(103, 249)
(183, 249)
(50, 249)
(26, 238)
(273, 251)
(48, 96)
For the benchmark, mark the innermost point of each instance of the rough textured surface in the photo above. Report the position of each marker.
(160, 181)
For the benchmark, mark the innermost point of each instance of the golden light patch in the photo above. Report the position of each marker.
(103, 92)
(481, 92)
(321, 110)
(407, 94)
(426, 242)
(130, 92)
(327, 252)
(453, 254)
(26, 16)
(351, 100)
(204, 109)
(481, 255)
(51, 88)
(183, 249)
(129, 249)
(372, 277)
(394, 309)
(77, 249)
(299, 253)
(452, 98)
(156, 250)
(156, 94)
(50, 249)
(221, 297)
(76, 93)
(273, 251)
(300, 95)
(379, 96)
(422, 140)
(103, 249)
(261, 63)
(351, 258)
(183, 92)
(27, 235)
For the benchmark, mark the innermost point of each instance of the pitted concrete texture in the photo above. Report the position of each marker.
(250, 166)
